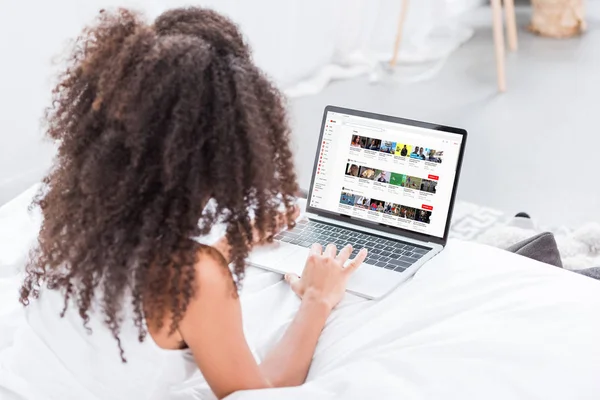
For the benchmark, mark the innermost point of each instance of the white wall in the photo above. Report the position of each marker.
(31, 34)
(291, 39)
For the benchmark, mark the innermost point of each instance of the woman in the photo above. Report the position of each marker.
(353, 171)
(153, 122)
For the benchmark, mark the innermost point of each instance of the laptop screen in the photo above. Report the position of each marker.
(386, 172)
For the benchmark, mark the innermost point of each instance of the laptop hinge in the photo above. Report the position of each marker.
(372, 231)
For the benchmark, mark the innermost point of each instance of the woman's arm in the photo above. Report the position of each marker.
(287, 364)
(321, 288)
(212, 326)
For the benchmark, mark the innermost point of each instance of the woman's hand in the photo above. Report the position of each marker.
(325, 275)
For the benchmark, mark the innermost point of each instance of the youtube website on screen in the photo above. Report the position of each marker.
(387, 173)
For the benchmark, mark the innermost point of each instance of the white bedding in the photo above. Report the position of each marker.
(474, 323)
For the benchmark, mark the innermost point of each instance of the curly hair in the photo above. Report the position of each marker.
(153, 121)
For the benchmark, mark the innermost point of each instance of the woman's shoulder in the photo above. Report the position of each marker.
(212, 269)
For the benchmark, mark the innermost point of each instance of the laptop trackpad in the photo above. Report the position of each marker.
(295, 263)
(367, 280)
(373, 282)
(270, 255)
(280, 257)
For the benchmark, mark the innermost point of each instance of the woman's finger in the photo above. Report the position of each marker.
(289, 278)
(353, 264)
(330, 250)
(344, 254)
(316, 249)
(294, 282)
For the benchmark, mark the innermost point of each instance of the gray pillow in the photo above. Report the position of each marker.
(591, 272)
(540, 247)
(543, 248)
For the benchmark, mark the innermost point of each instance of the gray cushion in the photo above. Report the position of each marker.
(591, 272)
(543, 248)
(540, 247)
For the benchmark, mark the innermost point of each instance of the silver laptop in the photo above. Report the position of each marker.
(380, 182)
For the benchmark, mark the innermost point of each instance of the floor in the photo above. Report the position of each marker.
(533, 148)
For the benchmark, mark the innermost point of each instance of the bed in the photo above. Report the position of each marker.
(475, 322)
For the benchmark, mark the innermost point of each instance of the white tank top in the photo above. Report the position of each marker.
(56, 358)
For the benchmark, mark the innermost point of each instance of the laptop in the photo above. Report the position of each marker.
(384, 183)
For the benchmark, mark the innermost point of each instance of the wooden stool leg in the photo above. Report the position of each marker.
(401, 20)
(499, 43)
(511, 24)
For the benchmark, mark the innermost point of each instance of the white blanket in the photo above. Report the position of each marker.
(475, 322)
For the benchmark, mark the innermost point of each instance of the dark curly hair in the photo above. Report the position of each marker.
(153, 121)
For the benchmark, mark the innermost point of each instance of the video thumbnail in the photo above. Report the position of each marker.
(367, 173)
(412, 182)
(362, 202)
(397, 179)
(423, 216)
(428, 186)
(388, 147)
(377, 205)
(403, 150)
(418, 153)
(382, 176)
(408, 212)
(373, 144)
(434, 155)
(389, 208)
(347, 198)
(358, 141)
(352, 169)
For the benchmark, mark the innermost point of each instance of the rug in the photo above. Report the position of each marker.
(579, 247)
(470, 220)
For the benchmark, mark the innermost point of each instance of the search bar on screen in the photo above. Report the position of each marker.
(371, 128)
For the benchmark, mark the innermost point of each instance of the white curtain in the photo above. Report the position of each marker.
(303, 44)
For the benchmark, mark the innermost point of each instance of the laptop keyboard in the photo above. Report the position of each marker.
(384, 253)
